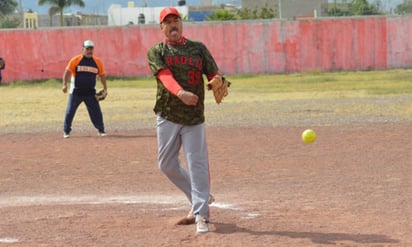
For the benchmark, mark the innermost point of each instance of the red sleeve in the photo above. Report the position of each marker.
(210, 77)
(170, 83)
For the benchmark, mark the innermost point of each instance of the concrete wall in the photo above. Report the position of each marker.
(297, 8)
(257, 4)
(246, 47)
(290, 8)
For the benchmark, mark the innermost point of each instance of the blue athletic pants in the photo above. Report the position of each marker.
(93, 108)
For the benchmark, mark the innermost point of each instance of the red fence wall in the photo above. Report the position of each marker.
(245, 47)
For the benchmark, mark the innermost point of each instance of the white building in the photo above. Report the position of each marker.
(118, 16)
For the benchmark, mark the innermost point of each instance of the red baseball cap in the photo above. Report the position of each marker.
(168, 11)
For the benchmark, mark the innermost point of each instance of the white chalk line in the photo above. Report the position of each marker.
(47, 200)
(8, 240)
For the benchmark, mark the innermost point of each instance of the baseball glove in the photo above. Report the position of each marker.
(2, 63)
(219, 86)
(101, 95)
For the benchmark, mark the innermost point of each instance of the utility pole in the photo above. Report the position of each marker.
(21, 13)
(280, 9)
(20, 6)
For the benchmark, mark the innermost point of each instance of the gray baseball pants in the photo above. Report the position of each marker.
(195, 180)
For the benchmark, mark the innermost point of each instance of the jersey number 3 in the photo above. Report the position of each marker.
(194, 77)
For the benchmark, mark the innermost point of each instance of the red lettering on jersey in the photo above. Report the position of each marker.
(194, 77)
(199, 65)
(177, 61)
(183, 59)
(169, 61)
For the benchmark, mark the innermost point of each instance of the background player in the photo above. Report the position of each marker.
(2, 66)
(82, 71)
(179, 64)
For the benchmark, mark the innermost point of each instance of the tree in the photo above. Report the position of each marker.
(267, 13)
(339, 9)
(262, 13)
(222, 15)
(8, 7)
(52, 11)
(355, 7)
(247, 14)
(61, 4)
(243, 14)
(9, 22)
(338, 12)
(362, 7)
(404, 8)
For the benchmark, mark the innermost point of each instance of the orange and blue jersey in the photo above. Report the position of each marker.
(84, 72)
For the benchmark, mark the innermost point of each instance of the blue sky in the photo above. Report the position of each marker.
(101, 6)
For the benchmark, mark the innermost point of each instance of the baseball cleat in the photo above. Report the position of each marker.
(190, 217)
(202, 224)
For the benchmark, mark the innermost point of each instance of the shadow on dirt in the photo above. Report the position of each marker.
(315, 237)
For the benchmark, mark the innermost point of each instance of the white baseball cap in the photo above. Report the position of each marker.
(88, 43)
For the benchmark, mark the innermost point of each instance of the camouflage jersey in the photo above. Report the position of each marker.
(187, 63)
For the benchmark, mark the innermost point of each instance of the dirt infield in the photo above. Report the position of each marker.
(352, 187)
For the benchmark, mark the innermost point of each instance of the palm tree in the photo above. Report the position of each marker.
(52, 11)
(61, 4)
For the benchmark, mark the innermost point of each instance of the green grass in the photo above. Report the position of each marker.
(41, 103)
(369, 82)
